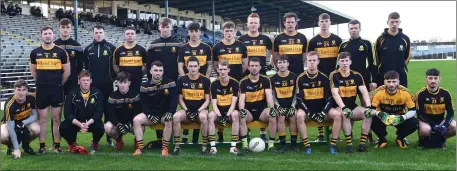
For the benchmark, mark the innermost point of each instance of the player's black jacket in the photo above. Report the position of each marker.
(160, 97)
(202, 52)
(284, 88)
(255, 91)
(122, 108)
(327, 48)
(193, 91)
(131, 60)
(347, 86)
(314, 90)
(257, 47)
(233, 54)
(84, 107)
(361, 53)
(293, 46)
(100, 57)
(49, 64)
(392, 52)
(77, 60)
(431, 106)
(224, 93)
(166, 51)
(18, 112)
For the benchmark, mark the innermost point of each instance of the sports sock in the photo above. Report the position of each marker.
(333, 141)
(165, 144)
(204, 140)
(177, 141)
(293, 138)
(212, 140)
(234, 140)
(282, 139)
(139, 144)
(363, 139)
(271, 143)
(305, 142)
(244, 140)
(262, 131)
(320, 131)
(348, 139)
(42, 144)
(57, 143)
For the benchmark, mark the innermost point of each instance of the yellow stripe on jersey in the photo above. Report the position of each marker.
(224, 100)
(257, 51)
(192, 94)
(290, 49)
(314, 93)
(349, 91)
(201, 60)
(327, 52)
(49, 64)
(131, 61)
(23, 114)
(7, 109)
(255, 96)
(231, 58)
(284, 92)
(434, 109)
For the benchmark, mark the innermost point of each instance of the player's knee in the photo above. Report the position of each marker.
(56, 118)
(424, 130)
(137, 120)
(34, 129)
(108, 126)
(212, 116)
(4, 137)
(235, 116)
(203, 117)
(168, 125)
(301, 117)
(176, 118)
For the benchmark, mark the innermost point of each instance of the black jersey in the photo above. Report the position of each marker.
(193, 91)
(293, 46)
(257, 47)
(233, 54)
(362, 58)
(255, 91)
(131, 60)
(432, 106)
(162, 97)
(202, 52)
(314, 90)
(327, 48)
(15, 111)
(224, 93)
(347, 86)
(49, 63)
(122, 108)
(284, 88)
(78, 61)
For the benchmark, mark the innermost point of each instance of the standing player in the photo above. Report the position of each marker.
(159, 99)
(362, 52)
(291, 43)
(231, 50)
(283, 87)
(393, 50)
(194, 100)
(344, 85)
(326, 45)
(256, 102)
(315, 101)
(224, 97)
(50, 67)
(20, 121)
(123, 105)
(393, 98)
(131, 58)
(432, 102)
(257, 43)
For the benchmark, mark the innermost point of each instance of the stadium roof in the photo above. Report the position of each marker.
(270, 11)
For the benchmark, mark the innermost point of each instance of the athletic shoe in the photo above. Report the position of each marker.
(109, 142)
(401, 143)
(349, 149)
(42, 150)
(294, 148)
(176, 151)
(212, 151)
(370, 139)
(282, 150)
(119, 144)
(75, 148)
(307, 150)
(185, 140)
(58, 150)
(164, 151)
(29, 150)
(363, 148)
(406, 141)
(234, 150)
(204, 150)
(381, 144)
(333, 150)
(94, 146)
(138, 152)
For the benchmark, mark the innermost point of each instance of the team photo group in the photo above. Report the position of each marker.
(113, 91)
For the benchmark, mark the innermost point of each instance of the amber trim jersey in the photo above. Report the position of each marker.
(293, 46)
(255, 91)
(393, 103)
(434, 105)
(49, 63)
(224, 93)
(327, 48)
(233, 54)
(203, 52)
(284, 88)
(14, 111)
(347, 86)
(131, 60)
(193, 91)
(314, 90)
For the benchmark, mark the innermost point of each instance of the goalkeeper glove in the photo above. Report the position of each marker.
(347, 112)
(317, 117)
(291, 112)
(154, 119)
(369, 112)
(385, 118)
(243, 113)
(302, 105)
(398, 120)
(282, 111)
(167, 116)
(440, 129)
(122, 129)
(223, 120)
(192, 115)
(272, 112)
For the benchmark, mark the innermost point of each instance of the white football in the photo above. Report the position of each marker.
(256, 145)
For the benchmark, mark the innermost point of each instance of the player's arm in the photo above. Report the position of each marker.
(408, 50)
(209, 62)
(207, 97)
(144, 55)
(33, 64)
(372, 67)
(10, 126)
(234, 100)
(275, 51)
(116, 61)
(269, 96)
(334, 88)
(449, 110)
(377, 50)
(244, 58)
(66, 67)
(214, 99)
(328, 97)
(300, 95)
(99, 105)
(420, 109)
(69, 112)
(305, 48)
(269, 45)
(181, 62)
(215, 58)
(241, 100)
(111, 111)
(32, 118)
(363, 89)
(83, 60)
(173, 98)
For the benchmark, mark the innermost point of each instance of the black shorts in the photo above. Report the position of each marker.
(255, 112)
(48, 94)
(156, 112)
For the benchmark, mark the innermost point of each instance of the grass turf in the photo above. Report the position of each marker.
(391, 157)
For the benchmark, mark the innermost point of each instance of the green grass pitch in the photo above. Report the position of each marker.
(392, 157)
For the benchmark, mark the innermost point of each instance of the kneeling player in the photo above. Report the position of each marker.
(20, 117)
(83, 112)
(432, 102)
(123, 105)
(283, 86)
(315, 101)
(255, 97)
(159, 99)
(344, 84)
(224, 97)
(193, 90)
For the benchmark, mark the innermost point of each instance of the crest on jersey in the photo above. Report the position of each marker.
(105, 52)
(441, 99)
(165, 92)
(298, 40)
(201, 51)
(192, 85)
(54, 55)
(352, 81)
(173, 49)
(333, 42)
(237, 49)
(194, 53)
(137, 52)
(225, 91)
(200, 85)
(129, 54)
(401, 48)
(261, 42)
(72, 54)
(361, 48)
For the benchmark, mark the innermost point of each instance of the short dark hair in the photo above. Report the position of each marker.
(228, 25)
(64, 22)
(45, 28)
(84, 73)
(253, 59)
(312, 53)
(289, 15)
(165, 21)
(21, 83)
(391, 75)
(432, 72)
(193, 58)
(282, 58)
(98, 27)
(393, 15)
(130, 28)
(254, 15)
(324, 16)
(353, 22)
(224, 63)
(343, 55)
(123, 76)
(194, 26)
(157, 63)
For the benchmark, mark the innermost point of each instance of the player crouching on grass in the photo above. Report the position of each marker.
(20, 121)
(224, 97)
(159, 99)
(83, 112)
(194, 100)
(123, 105)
